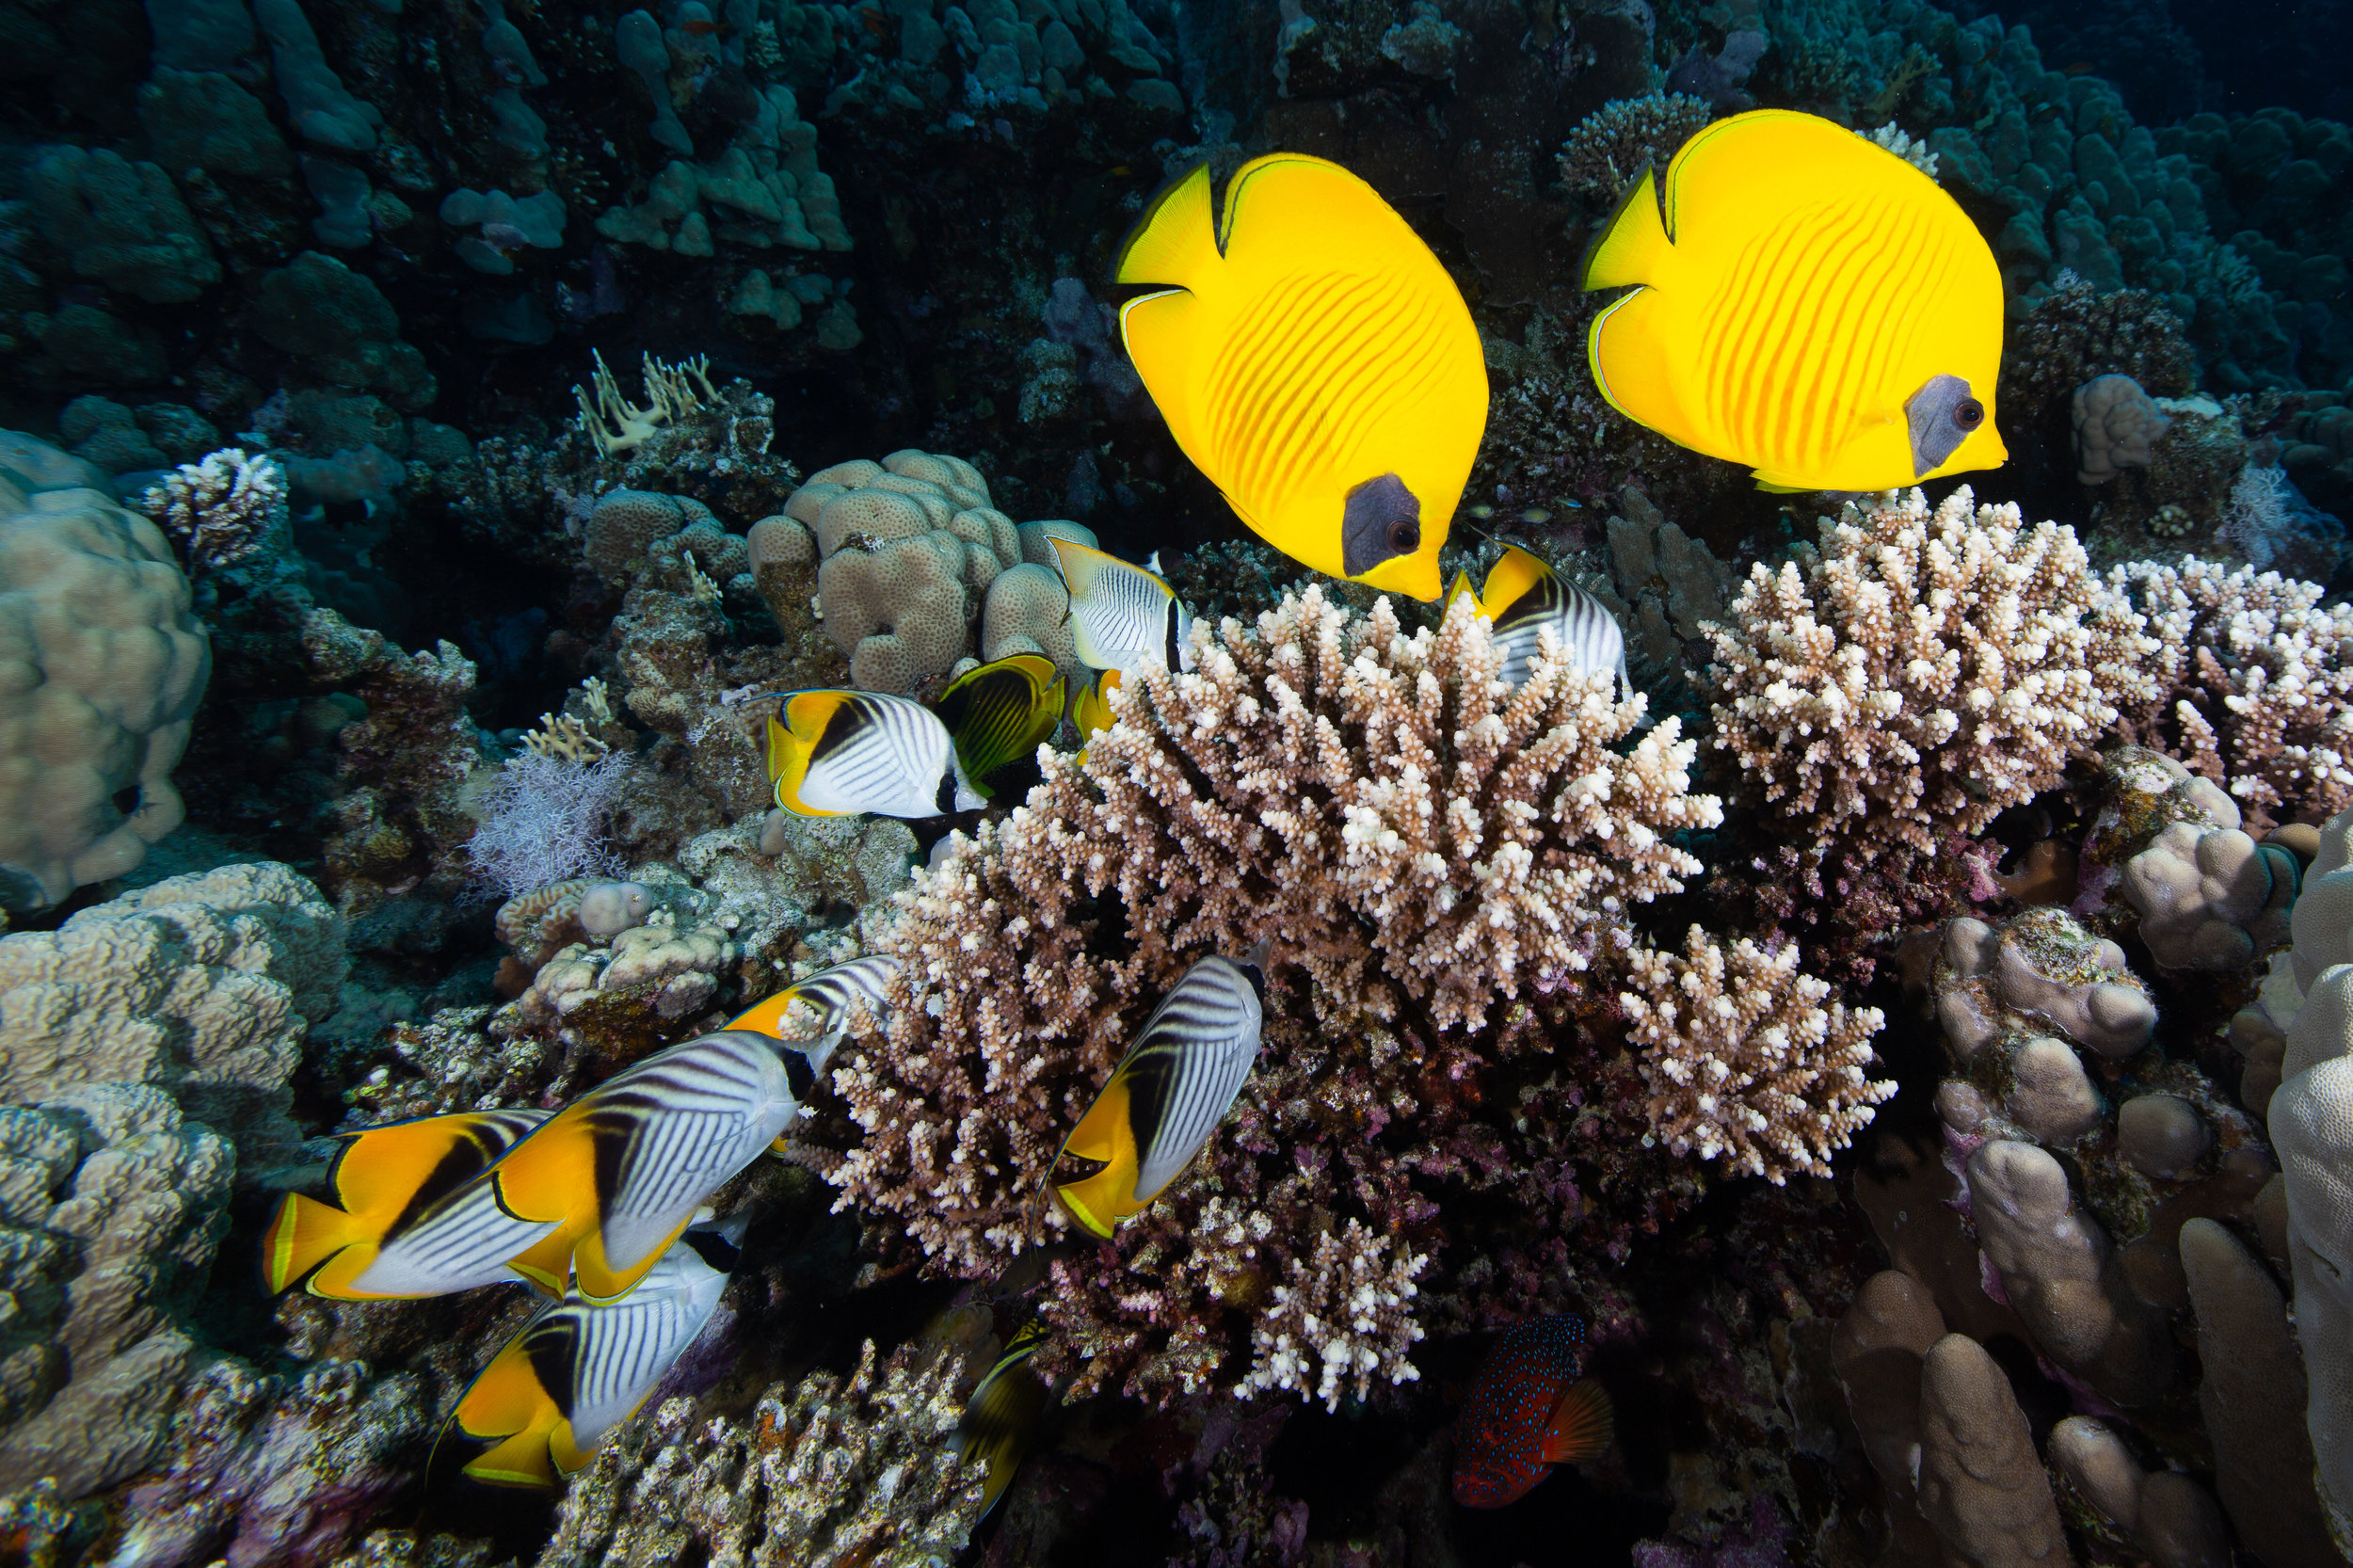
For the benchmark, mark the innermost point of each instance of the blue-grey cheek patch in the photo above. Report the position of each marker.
(1381, 521)
(1939, 423)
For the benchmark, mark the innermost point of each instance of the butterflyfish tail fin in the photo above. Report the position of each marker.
(1582, 1425)
(1175, 242)
(305, 1234)
(1632, 248)
(1094, 1201)
(509, 1402)
(1511, 580)
(1462, 585)
(522, 1459)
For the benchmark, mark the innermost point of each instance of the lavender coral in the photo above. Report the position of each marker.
(1432, 857)
(1922, 670)
(1745, 1064)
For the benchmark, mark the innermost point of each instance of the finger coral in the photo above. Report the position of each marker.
(2261, 673)
(1745, 1064)
(1432, 857)
(1922, 670)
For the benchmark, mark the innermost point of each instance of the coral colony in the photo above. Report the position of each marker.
(1051, 783)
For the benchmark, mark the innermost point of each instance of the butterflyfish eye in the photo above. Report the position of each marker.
(1405, 538)
(1968, 414)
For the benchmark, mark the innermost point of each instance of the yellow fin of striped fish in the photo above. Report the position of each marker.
(1003, 1411)
(1511, 579)
(1091, 704)
(1002, 711)
(1100, 1201)
(509, 1406)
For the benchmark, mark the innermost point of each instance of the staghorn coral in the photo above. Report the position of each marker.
(2258, 673)
(1745, 1064)
(219, 510)
(826, 1472)
(1922, 671)
(1430, 855)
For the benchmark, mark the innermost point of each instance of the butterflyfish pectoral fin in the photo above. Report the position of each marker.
(1581, 1426)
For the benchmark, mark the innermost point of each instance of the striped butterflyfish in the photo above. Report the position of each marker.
(1314, 359)
(411, 1216)
(1166, 1096)
(1523, 597)
(999, 713)
(549, 1398)
(1002, 1412)
(623, 1168)
(1806, 303)
(1122, 616)
(842, 753)
(820, 1011)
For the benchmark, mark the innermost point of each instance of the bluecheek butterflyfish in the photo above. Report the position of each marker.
(1167, 1094)
(1314, 359)
(1806, 303)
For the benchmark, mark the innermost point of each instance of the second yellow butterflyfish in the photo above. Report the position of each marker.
(1315, 361)
(1807, 303)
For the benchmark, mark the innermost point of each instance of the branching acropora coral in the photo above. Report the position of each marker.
(217, 511)
(1745, 1064)
(1922, 671)
(1425, 850)
(2260, 673)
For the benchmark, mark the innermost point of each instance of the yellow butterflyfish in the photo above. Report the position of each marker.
(1807, 303)
(1167, 1094)
(1315, 361)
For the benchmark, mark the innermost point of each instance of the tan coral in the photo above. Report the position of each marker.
(1340, 1321)
(1744, 1063)
(1922, 671)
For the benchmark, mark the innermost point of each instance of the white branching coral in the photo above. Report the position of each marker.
(2259, 674)
(1342, 1319)
(217, 511)
(1922, 671)
(1612, 146)
(1745, 1064)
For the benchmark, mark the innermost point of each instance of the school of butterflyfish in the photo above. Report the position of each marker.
(1800, 300)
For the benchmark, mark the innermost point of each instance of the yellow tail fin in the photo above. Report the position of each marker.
(305, 1234)
(1631, 248)
(522, 1460)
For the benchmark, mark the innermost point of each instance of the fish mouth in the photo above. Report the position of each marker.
(1414, 576)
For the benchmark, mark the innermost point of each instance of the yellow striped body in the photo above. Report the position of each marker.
(1311, 346)
(1805, 287)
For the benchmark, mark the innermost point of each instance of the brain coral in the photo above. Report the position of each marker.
(1433, 859)
(101, 663)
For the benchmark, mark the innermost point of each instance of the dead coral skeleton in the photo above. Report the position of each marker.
(1745, 1064)
(1920, 671)
(616, 424)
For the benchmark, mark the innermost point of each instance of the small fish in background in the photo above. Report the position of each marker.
(1167, 1094)
(1810, 305)
(832, 996)
(1003, 1413)
(999, 713)
(843, 753)
(1122, 616)
(1529, 1408)
(622, 1170)
(547, 1401)
(1523, 597)
(411, 1216)
(1314, 359)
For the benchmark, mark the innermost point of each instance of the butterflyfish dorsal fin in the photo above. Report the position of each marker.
(1175, 242)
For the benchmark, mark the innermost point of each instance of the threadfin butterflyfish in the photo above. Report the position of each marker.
(1122, 618)
(840, 753)
(1529, 1408)
(1314, 359)
(1809, 304)
(828, 1002)
(999, 713)
(622, 1168)
(1524, 598)
(412, 1215)
(1167, 1094)
(547, 1401)
(1002, 1412)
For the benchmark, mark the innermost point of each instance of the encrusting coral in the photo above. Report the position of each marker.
(1745, 1064)
(1432, 857)
(1922, 670)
